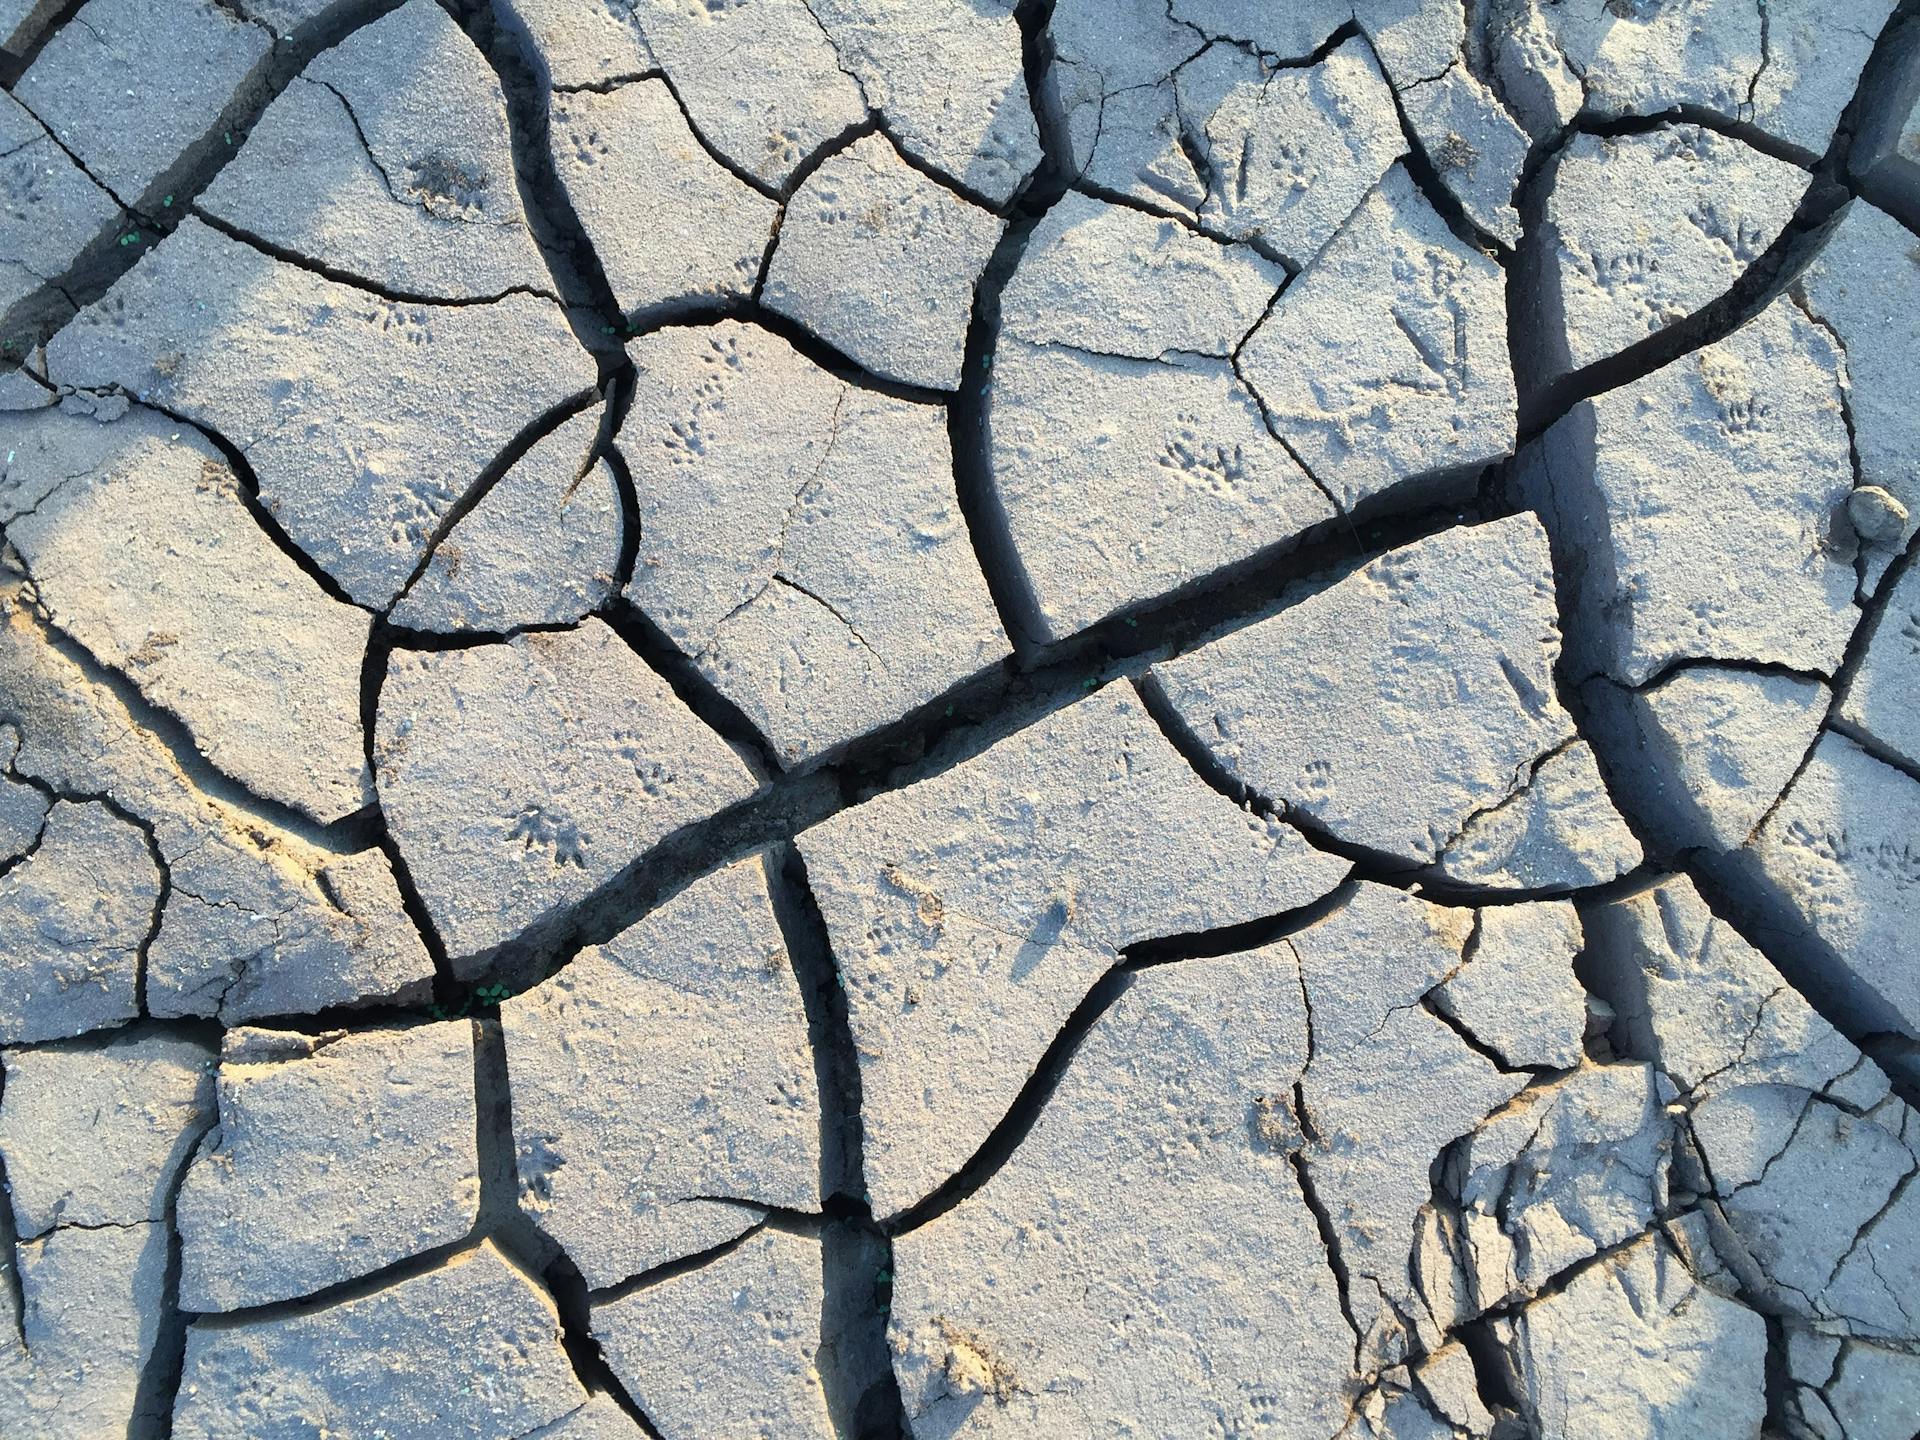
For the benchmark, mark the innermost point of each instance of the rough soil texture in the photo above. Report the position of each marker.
(928, 719)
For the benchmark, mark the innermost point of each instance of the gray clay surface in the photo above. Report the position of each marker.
(959, 720)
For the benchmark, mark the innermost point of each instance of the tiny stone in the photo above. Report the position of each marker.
(1878, 518)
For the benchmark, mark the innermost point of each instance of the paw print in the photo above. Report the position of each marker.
(1204, 464)
(559, 837)
(1316, 781)
(411, 323)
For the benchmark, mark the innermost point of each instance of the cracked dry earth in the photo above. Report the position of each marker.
(944, 718)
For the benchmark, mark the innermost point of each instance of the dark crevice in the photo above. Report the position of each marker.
(1889, 91)
(160, 1375)
(405, 637)
(692, 687)
(340, 1293)
(578, 275)
(1834, 993)
(856, 1258)
(1746, 133)
(836, 1066)
(856, 1362)
(161, 896)
(715, 153)
(50, 20)
(160, 207)
(447, 989)
(1240, 937)
(1464, 1034)
(1425, 175)
(574, 1302)
(1323, 1217)
(946, 180)
(1740, 664)
(502, 1221)
(12, 1286)
(1875, 747)
(629, 494)
(610, 83)
(968, 418)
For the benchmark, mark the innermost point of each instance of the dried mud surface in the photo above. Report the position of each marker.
(956, 718)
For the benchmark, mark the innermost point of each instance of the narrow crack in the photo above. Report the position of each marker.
(515, 450)
(365, 284)
(1303, 1176)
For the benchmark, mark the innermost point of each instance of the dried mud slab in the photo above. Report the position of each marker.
(728, 1348)
(663, 1088)
(1605, 278)
(285, 366)
(388, 159)
(1128, 458)
(53, 209)
(140, 545)
(334, 1156)
(93, 1134)
(127, 86)
(256, 918)
(971, 913)
(797, 533)
(881, 262)
(541, 547)
(947, 79)
(380, 1361)
(1384, 366)
(499, 838)
(1697, 511)
(629, 152)
(761, 82)
(1328, 710)
(1214, 1306)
